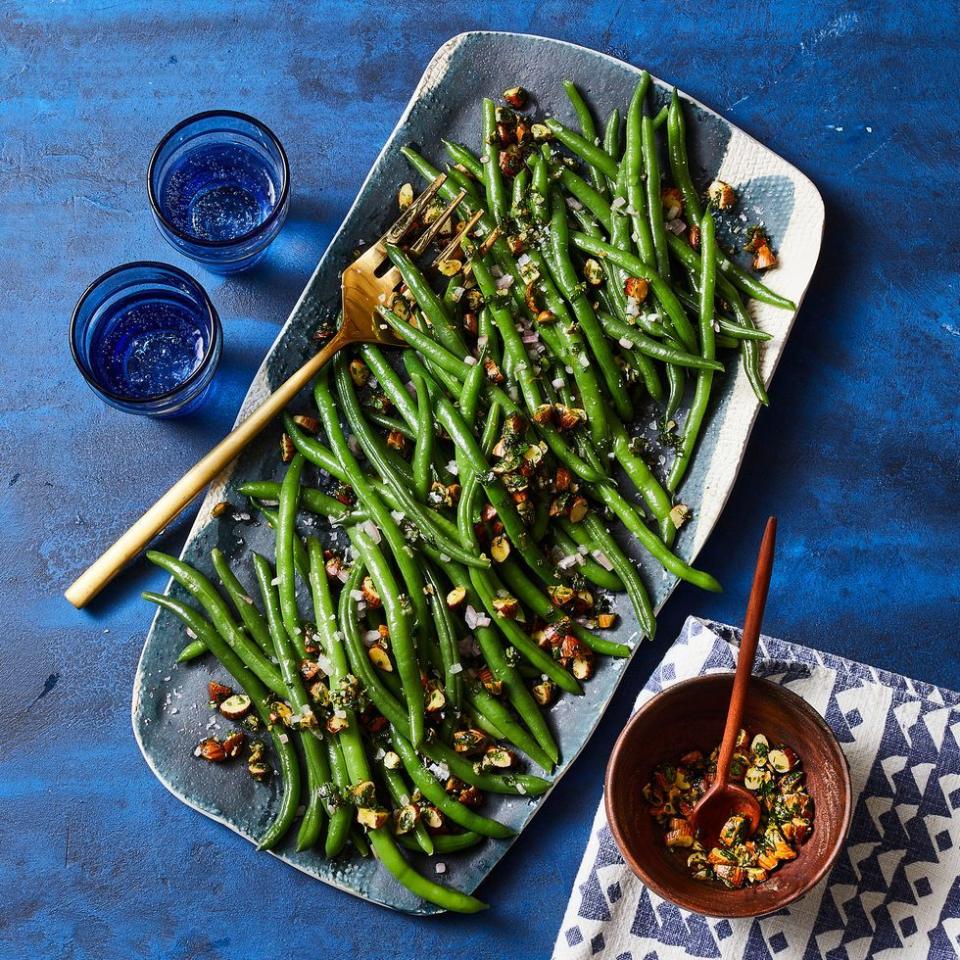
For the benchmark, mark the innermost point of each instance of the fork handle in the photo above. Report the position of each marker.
(159, 516)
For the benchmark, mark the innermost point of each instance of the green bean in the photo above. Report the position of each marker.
(591, 198)
(191, 651)
(432, 351)
(391, 383)
(618, 329)
(373, 681)
(432, 306)
(654, 204)
(339, 812)
(359, 840)
(397, 788)
(731, 273)
(539, 187)
(521, 183)
(286, 535)
(359, 770)
(391, 424)
(388, 853)
(529, 594)
(677, 383)
(462, 155)
(633, 173)
(611, 134)
(423, 449)
(565, 342)
(445, 842)
(323, 612)
(723, 342)
(750, 350)
(448, 192)
(259, 696)
(497, 494)
(242, 602)
(492, 175)
(529, 385)
(473, 383)
(558, 260)
(512, 343)
(311, 499)
(446, 640)
(401, 641)
(315, 758)
(701, 395)
(504, 670)
(487, 331)
(483, 722)
(749, 284)
(732, 328)
(371, 501)
(620, 236)
(430, 788)
(679, 165)
(319, 455)
(273, 521)
(462, 181)
(199, 587)
(508, 784)
(592, 571)
(485, 587)
(661, 118)
(585, 149)
(651, 542)
(492, 709)
(428, 522)
(637, 268)
(737, 332)
(587, 128)
(635, 467)
(627, 571)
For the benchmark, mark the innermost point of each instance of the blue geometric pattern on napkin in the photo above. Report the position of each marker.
(895, 889)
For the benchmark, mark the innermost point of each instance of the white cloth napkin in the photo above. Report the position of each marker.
(894, 891)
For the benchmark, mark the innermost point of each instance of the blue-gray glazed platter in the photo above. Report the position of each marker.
(170, 713)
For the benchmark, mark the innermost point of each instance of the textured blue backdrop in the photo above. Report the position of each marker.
(858, 454)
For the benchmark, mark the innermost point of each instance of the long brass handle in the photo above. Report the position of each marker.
(159, 516)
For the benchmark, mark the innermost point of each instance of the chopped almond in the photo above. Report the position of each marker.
(218, 692)
(721, 195)
(309, 424)
(500, 549)
(672, 200)
(212, 749)
(764, 258)
(359, 372)
(507, 607)
(516, 97)
(370, 594)
(636, 288)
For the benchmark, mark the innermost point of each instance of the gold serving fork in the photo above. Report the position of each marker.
(365, 286)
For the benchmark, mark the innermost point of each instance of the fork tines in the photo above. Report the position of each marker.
(429, 235)
(412, 213)
(451, 248)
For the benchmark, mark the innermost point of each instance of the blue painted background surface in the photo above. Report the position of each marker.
(858, 453)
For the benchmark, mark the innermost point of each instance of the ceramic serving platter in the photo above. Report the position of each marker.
(170, 715)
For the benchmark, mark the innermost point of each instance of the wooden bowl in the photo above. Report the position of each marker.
(690, 715)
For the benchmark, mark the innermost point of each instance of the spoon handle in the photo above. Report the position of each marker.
(748, 648)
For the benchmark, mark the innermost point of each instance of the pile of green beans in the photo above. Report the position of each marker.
(474, 484)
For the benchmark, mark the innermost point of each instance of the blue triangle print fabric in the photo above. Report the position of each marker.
(895, 889)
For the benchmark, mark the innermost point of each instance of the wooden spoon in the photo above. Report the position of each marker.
(724, 799)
